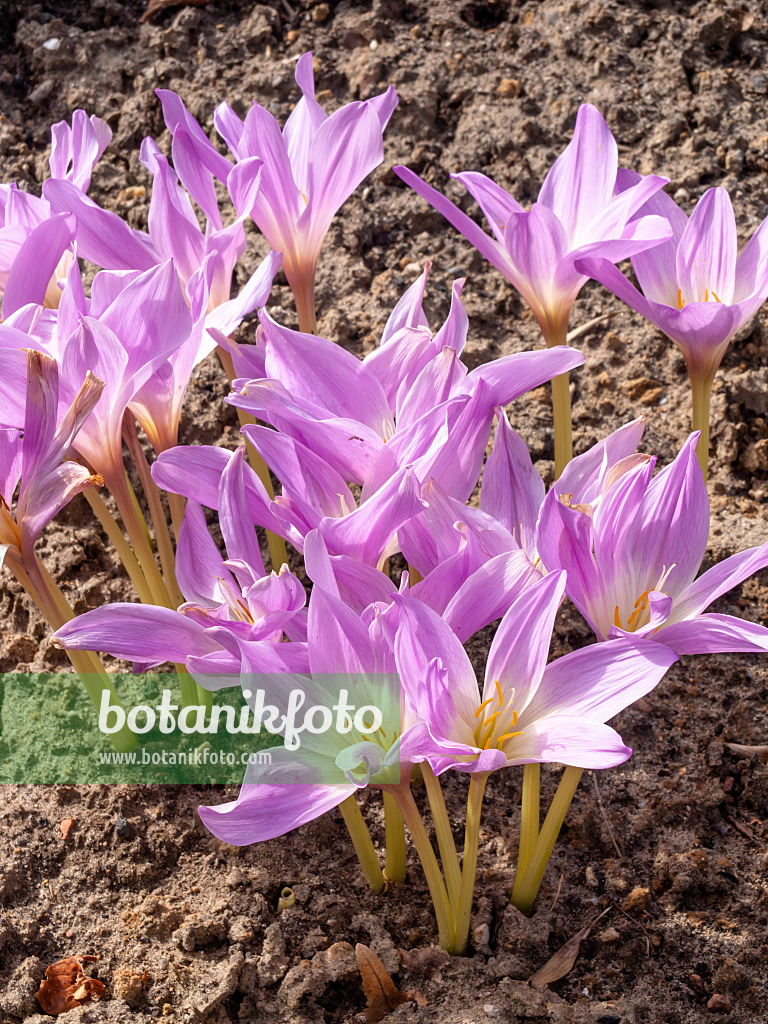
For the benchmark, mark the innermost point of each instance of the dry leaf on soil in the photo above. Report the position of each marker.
(156, 6)
(66, 987)
(381, 992)
(66, 825)
(558, 965)
(760, 752)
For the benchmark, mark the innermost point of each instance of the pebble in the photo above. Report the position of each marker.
(491, 1010)
(759, 82)
(121, 827)
(508, 88)
(42, 92)
(411, 270)
(719, 1003)
(52, 44)
(320, 13)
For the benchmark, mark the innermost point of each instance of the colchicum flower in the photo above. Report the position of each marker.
(632, 560)
(577, 214)
(304, 173)
(528, 711)
(694, 286)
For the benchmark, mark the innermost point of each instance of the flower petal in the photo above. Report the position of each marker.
(138, 632)
(715, 634)
(597, 682)
(520, 647)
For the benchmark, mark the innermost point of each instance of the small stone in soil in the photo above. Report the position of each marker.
(121, 827)
(719, 1003)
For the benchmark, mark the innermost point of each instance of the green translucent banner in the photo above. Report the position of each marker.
(266, 729)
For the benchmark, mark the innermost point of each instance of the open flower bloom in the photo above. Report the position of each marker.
(367, 425)
(305, 173)
(528, 711)
(314, 495)
(447, 540)
(281, 796)
(35, 245)
(633, 559)
(37, 456)
(576, 214)
(226, 601)
(694, 286)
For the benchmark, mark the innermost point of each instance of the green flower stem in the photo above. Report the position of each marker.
(277, 550)
(437, 890)
(394, 862)
(136, 528)
(527, 883)
(120, 544)
(529, 816)
(701, 392)
(556, 333)
(477, 781)
(445, 841)
(362, 842)
(561, 412)
(156, 510)
(176, 504)
(55, 608)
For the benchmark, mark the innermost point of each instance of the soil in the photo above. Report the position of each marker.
(674, 842)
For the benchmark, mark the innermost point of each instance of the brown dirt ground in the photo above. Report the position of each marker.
(187, 929)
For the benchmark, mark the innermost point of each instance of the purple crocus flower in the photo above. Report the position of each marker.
(352, 415)
(305, 173)
(529, 712)
(227, 601)
(694, 287)
(35, 246)
(37, 456)
(576, 215)
(273, 800)
(632, 560)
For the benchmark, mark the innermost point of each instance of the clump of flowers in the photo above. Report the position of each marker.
(375, 462)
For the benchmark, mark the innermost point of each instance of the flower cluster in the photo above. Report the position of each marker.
(352, 468)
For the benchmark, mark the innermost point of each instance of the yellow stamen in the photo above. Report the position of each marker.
(680, 299)
(483, 705)
(501, 695)
(716, 298)
(507, 736)
(616, 618)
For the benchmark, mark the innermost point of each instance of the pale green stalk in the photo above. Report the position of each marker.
(527, 883)
(55, 608)
(477, 781)
(701, 393)
(529, 815)
(156, 510)
(362, 842)
(394, 826)
(445, 841)
(437, 890)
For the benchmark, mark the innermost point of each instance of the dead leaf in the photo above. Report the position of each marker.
(66, 987)
(156, 6)
(66, 825)
(558, 965)
(746, 751)
(381, 992)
